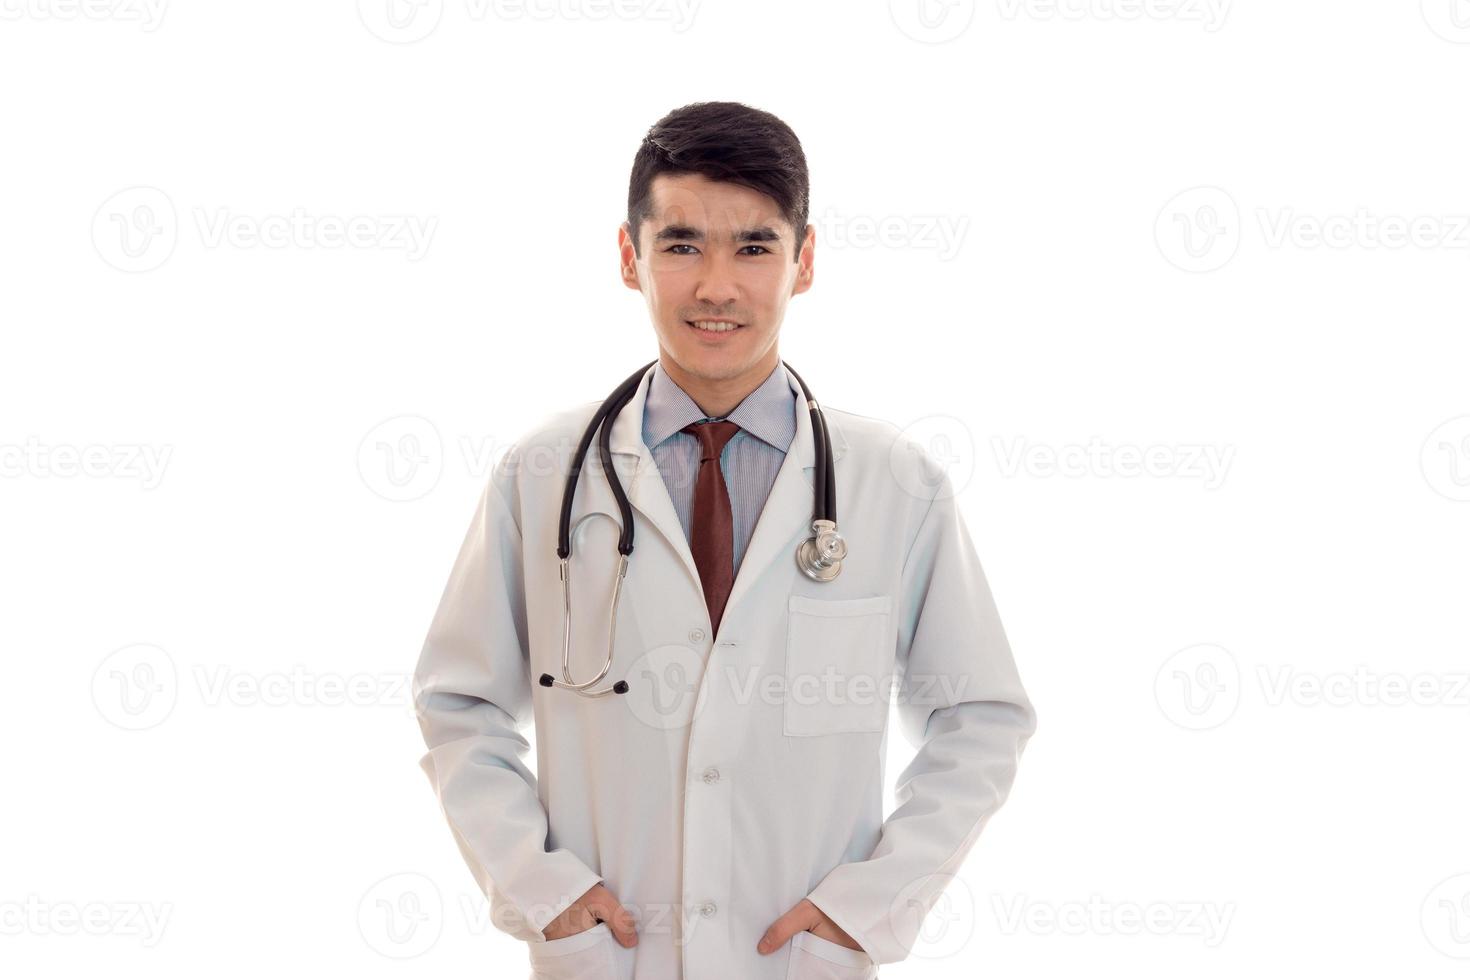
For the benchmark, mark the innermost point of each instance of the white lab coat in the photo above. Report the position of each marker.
(740, 772)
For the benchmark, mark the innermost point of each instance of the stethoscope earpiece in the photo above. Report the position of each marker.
(819, 557)
(621, 687)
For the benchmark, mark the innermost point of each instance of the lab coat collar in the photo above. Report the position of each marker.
(768, 413)
(785, 519)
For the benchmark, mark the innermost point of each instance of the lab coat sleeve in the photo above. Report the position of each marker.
(472, 695)
(960, 702)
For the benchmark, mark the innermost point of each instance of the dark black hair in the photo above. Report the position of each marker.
(725, 141)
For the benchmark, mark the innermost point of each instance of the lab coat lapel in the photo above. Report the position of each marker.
(645, 484)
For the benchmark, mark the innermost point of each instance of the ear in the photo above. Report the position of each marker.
(804, 261)
(627, 259)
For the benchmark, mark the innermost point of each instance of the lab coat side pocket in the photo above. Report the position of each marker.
(815, 958)
(839, 662)
(586, 955)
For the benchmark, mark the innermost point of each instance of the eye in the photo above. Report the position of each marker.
(681, 245)
(763, 249)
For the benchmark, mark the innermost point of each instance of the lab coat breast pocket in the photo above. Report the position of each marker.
(815, 958)
(839, 662)
(586, 955)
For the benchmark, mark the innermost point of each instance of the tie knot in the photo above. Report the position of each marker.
(712, 436)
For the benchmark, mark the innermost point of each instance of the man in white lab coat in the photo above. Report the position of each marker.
(721, 819)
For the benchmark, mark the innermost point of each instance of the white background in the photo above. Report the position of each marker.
(1186, 231)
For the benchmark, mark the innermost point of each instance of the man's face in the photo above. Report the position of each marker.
(714, 250)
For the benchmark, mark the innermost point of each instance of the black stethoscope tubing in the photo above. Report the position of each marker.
(824, 504)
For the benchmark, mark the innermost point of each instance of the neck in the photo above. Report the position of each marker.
(717, 397)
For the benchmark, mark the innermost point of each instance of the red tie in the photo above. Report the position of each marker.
(712, 538)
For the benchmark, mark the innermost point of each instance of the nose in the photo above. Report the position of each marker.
(717, 286)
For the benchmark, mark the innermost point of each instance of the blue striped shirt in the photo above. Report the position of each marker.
(749, 461)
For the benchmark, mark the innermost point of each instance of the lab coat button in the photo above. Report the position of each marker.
(696, 635)
(712, 775)
(707, 909)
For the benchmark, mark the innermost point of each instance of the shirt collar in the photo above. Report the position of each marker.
(768, 412)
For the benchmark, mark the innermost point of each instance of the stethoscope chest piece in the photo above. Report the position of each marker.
(820, 556)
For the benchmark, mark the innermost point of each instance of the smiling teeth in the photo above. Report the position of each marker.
(713, 326)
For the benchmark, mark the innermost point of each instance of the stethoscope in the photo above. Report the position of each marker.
(819, 557)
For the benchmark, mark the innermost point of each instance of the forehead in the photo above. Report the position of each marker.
(712, 205)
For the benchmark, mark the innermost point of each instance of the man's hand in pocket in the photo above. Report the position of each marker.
(804, 915)
(595, 905)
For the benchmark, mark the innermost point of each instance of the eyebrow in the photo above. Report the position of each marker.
(688, 233)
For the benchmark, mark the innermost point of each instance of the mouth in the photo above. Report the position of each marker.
(713, 327)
